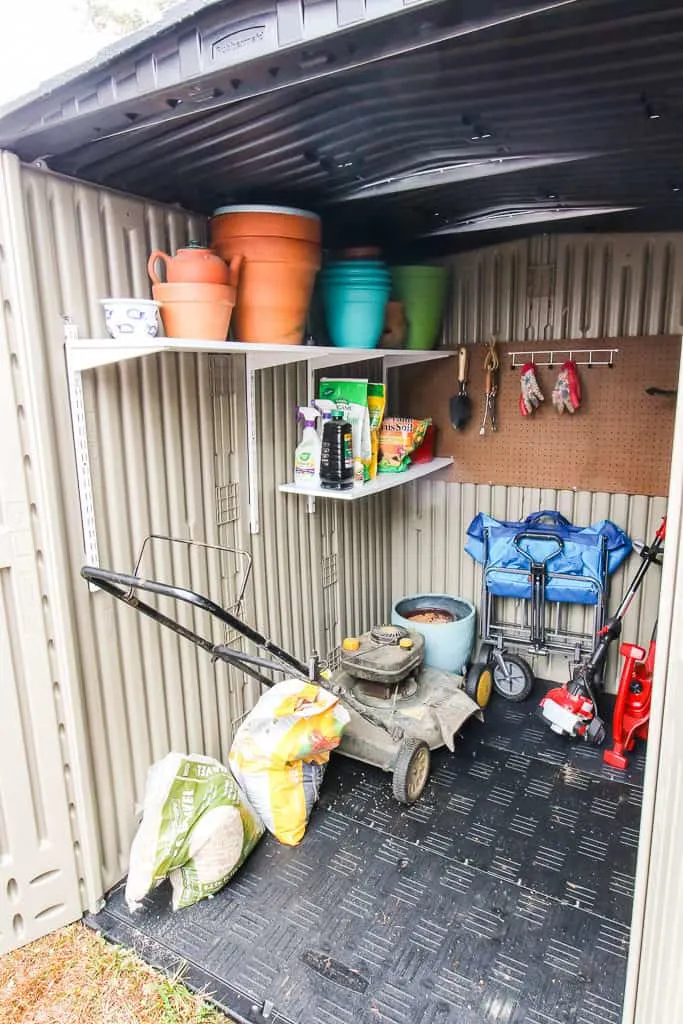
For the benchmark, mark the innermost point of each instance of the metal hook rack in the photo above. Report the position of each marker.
(589, 357)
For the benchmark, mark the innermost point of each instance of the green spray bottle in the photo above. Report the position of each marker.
(307, 454)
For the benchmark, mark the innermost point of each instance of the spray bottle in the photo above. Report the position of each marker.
(325, 407)
(307, 454)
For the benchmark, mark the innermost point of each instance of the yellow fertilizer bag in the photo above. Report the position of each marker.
(280, 753)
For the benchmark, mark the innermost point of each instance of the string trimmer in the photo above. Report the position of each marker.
(571, 709)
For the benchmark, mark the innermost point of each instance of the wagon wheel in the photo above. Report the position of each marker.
(516, 683)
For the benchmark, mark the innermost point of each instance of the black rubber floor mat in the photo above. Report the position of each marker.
(503, 895)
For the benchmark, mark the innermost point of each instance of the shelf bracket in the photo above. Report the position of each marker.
(79, 433)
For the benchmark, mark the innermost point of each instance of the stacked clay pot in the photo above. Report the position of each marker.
(281, 250)
(198, 296)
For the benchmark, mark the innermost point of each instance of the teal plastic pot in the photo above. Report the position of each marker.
(356, 265)
(448, 645)
(357, 282)
(360, 275)
(355, 314)
(423, 291)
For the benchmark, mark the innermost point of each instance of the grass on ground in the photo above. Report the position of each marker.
(74, 976)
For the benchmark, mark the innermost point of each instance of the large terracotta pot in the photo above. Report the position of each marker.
(269, 249)
(273, 301)
(266, 221)
(276, 280)
(200, 311)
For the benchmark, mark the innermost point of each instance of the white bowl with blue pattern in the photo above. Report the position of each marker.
(128, 319)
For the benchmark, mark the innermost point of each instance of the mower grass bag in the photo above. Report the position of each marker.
(281, 750)
(197, 829)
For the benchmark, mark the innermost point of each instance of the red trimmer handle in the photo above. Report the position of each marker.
(661, 532)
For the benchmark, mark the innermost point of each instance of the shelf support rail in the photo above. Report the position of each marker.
(79, 431)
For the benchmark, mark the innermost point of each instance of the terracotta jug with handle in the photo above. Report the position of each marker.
(194, 265)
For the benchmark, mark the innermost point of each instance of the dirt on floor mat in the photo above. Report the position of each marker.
(503, 895)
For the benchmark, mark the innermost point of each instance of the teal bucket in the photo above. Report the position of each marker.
(423, 291)
(448, 645)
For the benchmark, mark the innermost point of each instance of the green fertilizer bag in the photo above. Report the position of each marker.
(197, 829)
(351, 396)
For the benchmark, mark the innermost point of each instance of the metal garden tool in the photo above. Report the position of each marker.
(491, 364)
(460, 405)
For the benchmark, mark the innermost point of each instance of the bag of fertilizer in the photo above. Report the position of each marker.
(281, 750)
(350, 394)
(197, 828)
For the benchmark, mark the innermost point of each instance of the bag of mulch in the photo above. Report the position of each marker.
(281, 750)
(197, 829)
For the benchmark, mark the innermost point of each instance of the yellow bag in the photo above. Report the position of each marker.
(376, 404)
(280, 753)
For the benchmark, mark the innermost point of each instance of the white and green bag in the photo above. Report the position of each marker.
(197, 828)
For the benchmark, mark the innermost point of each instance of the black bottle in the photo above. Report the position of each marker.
(336, 455)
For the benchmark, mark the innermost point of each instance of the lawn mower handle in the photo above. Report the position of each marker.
(124, 586)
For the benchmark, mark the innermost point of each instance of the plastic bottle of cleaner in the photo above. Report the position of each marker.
(307, 454)
(336, 457)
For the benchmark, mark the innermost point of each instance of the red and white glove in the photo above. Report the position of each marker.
(567, 390)
(531, 395)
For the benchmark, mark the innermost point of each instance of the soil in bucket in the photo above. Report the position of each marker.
(434, 616)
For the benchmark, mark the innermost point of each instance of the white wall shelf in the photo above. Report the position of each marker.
(89, 353)
(83, 354)
(382, 482)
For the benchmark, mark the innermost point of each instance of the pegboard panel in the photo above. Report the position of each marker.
(619, 441)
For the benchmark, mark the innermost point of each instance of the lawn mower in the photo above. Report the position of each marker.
(571, 709)
(400, 709)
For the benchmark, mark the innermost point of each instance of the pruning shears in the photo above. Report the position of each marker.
(491, 365)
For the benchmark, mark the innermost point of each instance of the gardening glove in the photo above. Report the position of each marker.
(567, 390)
(531, 396)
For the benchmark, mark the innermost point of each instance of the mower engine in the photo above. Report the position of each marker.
(385, 658)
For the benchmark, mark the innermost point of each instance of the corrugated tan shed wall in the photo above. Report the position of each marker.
(317, 576)
(151, 424)
(288, 548)
(568, 286)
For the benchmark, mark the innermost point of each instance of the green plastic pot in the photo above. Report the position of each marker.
(423, 291)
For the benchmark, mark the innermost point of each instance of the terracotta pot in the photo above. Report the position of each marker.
(200, 311)
(272, 302)
(270, 221)
(194, 265)
(368, 252)
(276, 284)
(394, 332)
(270, 249)
(185, 292)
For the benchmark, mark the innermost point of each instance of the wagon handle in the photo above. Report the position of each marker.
(535, 535)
